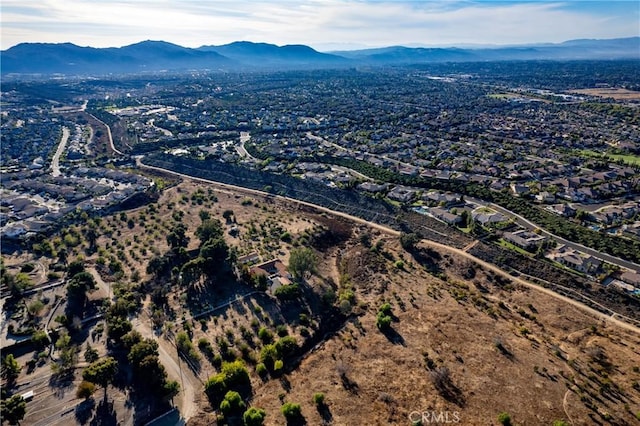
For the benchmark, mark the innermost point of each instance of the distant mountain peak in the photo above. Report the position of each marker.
(158, 55)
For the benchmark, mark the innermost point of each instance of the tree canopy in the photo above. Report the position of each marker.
(302, 263)
(13, 409)
(101, 372)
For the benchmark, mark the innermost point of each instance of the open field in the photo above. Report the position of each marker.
(611, 92)
(463, 339)
(627, 158)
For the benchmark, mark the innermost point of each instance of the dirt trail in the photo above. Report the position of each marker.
(179, 371)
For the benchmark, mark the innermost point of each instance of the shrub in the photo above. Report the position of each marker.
(261, 369)
(383, 321)
(304, 319)
(85, 389)
(234, 375)
(286, 346)
(205, 346)
(232, 403)
(318, 398)
(278, 366)
(286, 237)
(53, 275)
(504, 419)
(385, 309)
(282, 330)
(287, 292)
(291, 411)
(40, 339)
(185, 346)
(268, 355)
(254, 416)
(265, 335)
(27, 267)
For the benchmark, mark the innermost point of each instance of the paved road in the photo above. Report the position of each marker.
(610, 318)
(55, 164)
(603, 256)
(113, 147)
(242, 151)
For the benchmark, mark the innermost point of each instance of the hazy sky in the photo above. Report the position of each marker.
(322, 24)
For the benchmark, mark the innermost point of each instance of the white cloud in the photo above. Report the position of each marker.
(318, 23)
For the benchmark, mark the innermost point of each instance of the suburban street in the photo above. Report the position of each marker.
(531, 226)
(55, 163)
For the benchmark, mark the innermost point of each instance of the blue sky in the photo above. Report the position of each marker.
(322, 24)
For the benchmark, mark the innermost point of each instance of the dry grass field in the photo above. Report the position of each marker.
(464, 344)
(611, 92)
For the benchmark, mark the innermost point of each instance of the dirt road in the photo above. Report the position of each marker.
(190, 386)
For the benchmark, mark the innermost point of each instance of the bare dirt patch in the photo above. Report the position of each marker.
(611, 92)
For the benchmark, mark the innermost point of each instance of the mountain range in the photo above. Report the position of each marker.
(156, 56)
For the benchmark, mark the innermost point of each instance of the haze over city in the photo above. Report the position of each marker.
(322, 24)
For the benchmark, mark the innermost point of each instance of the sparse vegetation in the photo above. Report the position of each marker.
(504, 419)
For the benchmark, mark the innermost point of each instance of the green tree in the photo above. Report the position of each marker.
(318, 398)
(34, 308)
(232, 404)
(302, 262)
(75, 267)
(268, 355)
(287, 292)
(384, 318)
(67, 355)
(101, 372)
(286, 346)
(178, 238)
(151, 374)
(204, 215)
(209, 229)
(170, 389)
(234, 375)
(40, 339)
(254, 416)
(77, 289)
(409, 241)
(10, 368)
(291, 411)
(141, 350)
(214, 253)
(13, 409)
(90, 354)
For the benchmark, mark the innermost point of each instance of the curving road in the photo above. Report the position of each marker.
(55, 163)
(527, 224)
(611, 319)
(111, 145)
(240, 148)
(188, 381)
